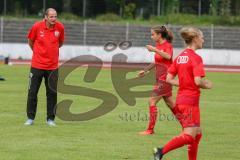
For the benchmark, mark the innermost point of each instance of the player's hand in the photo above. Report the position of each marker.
(208, 84)
(141, 73)
(151, 48)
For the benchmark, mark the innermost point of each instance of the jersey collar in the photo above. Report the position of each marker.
(45, 27)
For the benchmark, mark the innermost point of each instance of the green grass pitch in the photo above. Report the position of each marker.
(113, 136)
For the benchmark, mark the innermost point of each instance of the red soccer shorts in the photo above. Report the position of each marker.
(188, 115)
(162, 88)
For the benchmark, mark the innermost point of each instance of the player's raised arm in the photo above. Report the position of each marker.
(157, 51)
(146, 70)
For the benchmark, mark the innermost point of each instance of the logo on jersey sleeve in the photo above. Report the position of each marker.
(182, 59)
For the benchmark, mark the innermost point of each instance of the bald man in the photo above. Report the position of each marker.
(44, 38)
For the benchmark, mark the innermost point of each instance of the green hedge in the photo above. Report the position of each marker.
(174, 19)
(188, 19)
(69, 16)
(108, 17)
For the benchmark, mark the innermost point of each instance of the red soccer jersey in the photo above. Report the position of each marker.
(46, 45)
(187, 66)
(163, 64)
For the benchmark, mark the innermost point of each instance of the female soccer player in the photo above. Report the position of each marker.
(189, 68)
(163, 59)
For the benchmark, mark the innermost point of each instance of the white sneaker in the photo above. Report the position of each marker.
(51, 123)
(29, 122)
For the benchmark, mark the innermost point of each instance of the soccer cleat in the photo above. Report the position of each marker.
(2, 79)
(29, 122)
(51, 123)
(157, 154)
(146, 132)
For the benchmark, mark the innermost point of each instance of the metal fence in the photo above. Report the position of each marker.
(96, 34)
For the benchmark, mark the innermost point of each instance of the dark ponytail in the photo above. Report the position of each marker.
(166, 33)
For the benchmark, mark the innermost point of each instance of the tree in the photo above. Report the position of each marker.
(235, 7)
(225, 8)
(122, 4)
(214, 7)
(171, 6)
(129, 10)
(67, 6)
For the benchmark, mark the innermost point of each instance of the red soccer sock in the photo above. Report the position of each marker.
(177, 142)
(193, 148)
(153, 117)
